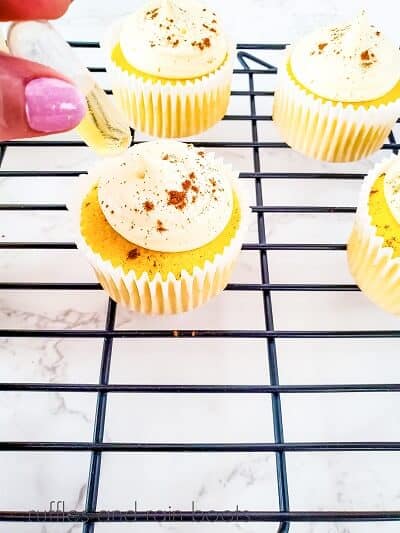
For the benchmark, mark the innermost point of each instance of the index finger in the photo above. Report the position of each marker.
(31, 10)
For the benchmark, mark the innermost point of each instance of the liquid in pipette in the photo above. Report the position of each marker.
(103, 128)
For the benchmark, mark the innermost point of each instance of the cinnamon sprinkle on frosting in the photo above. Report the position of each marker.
(160, 226)
(177, 199)
(173, 26)
(349, 63)
(365, 55)
(173, 206)
(148, 206)
(153, 13)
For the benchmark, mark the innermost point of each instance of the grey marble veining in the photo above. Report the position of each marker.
(323, 481)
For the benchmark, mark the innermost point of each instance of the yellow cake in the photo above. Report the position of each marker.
(111, 246)
(162, 225)
(373, 249)
(338, 94)
(171, 68)
(382, 217)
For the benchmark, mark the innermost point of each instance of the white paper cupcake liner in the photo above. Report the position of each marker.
(158, 296)
(329, 131)
(371, 263)
(163, 109)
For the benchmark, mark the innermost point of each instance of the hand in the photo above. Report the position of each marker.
(34, 99)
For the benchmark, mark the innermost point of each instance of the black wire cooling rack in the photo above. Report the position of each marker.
(247, 55)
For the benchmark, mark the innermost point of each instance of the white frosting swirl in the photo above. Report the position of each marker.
(175, 39)
(392, 188)
(351, 63)
(167, 196)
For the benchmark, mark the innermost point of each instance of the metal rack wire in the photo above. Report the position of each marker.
(90, 516)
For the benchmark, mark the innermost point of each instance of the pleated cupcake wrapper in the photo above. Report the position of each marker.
(329, 131)
(371, 263)
(165, 109)
(158, 296)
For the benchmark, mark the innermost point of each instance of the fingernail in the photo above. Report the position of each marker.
(53, 105)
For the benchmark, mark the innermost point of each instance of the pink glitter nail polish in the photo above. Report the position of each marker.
(53, 105)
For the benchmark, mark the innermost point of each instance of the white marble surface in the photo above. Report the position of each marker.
(323, 481)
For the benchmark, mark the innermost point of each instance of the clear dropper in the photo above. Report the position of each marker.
(3, 46)
(103, 128)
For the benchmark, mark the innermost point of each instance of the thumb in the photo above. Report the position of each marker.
(35, 100)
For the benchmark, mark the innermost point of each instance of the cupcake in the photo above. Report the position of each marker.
(162, 225)
(171, 68)
(338, 93)
(374, 246)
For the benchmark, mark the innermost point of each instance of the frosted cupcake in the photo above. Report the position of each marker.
(338, 94)
(171, 67)
(162, 225)
(374, 244)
